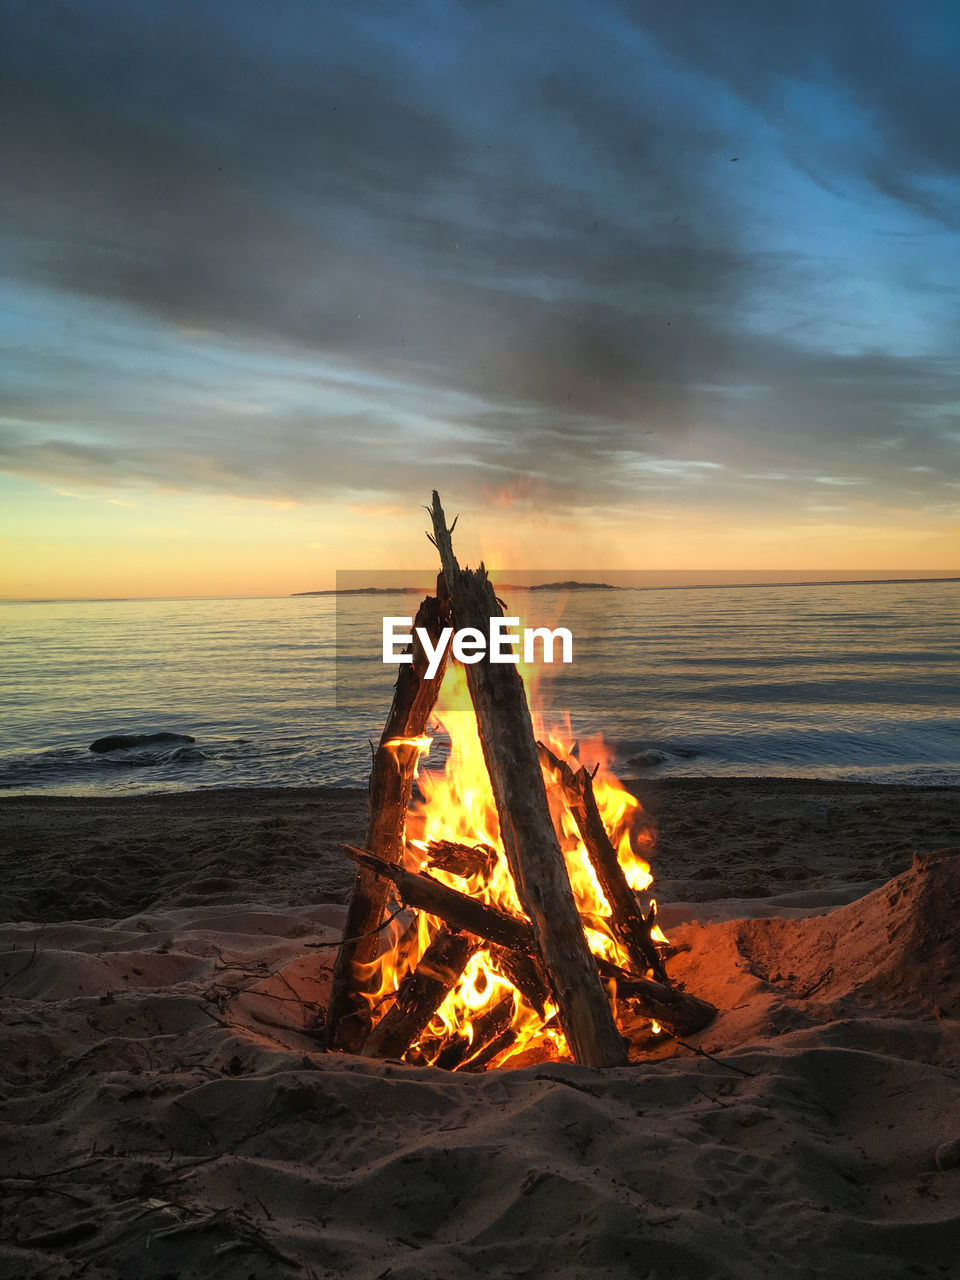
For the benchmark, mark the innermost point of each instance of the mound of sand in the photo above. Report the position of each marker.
(170, 1113)
(895, 950)
(891, 953)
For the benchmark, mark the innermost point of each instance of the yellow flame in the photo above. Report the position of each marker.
(420, 746)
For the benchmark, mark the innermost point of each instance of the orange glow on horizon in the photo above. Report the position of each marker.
(71, 543)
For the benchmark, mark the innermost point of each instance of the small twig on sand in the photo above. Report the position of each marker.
(29, 1185)
(245, 1235)
(571, 1084)
(295, 994)
(702, 1053)
(821, 981)
(23, 968)
(58, 1173)
(335, 946)
(61, 1236)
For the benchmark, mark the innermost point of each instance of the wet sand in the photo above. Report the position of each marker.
(66, 858)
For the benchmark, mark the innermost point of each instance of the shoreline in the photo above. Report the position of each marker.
(738, 839)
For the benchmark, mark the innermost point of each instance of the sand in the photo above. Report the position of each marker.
(168, 1113)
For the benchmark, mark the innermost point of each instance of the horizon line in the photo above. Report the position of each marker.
(905, 576)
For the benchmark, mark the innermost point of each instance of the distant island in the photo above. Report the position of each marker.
(564, 586)
(504, 586)
(573, 585)
(799, 582)
(362, 591)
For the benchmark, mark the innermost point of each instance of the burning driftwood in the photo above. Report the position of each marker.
(514, 954)
(541, 959)
(457, 909)
(526, 828)
(421, 993)
(492, 1033)
(391, 786)
(633, 928)
(464, 860)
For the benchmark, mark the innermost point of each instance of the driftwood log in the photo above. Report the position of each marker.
(630, 925)
(526, 828)
(677, 1012)
(492, 1033)
(391, 786)
(456, 909)
(494, 1046)
(421, 993)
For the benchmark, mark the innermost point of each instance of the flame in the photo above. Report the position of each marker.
(456, 804)
(420, 747)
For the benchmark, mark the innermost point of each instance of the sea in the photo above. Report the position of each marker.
(845, 681)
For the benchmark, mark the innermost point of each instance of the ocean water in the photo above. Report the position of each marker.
(857, 682)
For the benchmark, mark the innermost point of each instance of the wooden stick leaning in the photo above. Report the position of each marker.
(524, 970)
(526, 829)
(491, 1049)
(630, 924)
(391, 786)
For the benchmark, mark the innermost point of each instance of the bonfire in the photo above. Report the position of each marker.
(525, 928)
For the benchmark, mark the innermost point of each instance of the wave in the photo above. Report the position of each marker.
(62, 764)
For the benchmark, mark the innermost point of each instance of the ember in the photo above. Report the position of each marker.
(524, 873)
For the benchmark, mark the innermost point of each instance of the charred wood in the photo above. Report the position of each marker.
(486, 1027)
(524, 971)
(421, 992)
(630, 925)
(491, 1050)
(492, 1033)
(677, 1012)
(464, 860)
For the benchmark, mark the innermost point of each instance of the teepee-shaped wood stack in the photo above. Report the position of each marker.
(545, 955)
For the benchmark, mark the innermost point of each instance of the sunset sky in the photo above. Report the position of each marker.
(635, 286)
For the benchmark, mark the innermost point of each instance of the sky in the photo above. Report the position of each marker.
(636, 286)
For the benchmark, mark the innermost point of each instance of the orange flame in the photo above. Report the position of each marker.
(457, 805)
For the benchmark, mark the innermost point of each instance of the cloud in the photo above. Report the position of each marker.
(872, 83)
(342, 246)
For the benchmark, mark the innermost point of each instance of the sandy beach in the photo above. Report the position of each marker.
(163, 961)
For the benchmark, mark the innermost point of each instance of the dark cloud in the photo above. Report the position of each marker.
(891, 63)
(533, 228)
